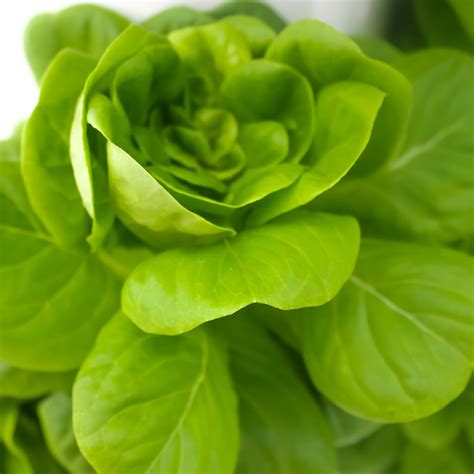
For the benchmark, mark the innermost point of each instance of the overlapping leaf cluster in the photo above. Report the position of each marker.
(211, 164)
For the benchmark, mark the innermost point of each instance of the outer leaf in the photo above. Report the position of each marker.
(52, 301)
(55, 415)
(21, 383)
(46, 165)
(283, 429)
(344, 116)
(167, 407)
(428, 191)
(296, 261)
(311, 48)
(396, 343)
(87, 28)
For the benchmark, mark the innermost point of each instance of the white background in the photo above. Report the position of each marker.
(18, 91)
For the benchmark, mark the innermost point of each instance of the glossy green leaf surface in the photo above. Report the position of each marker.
(46, 165)
(404, 303)
(168, 407)
(283, 433)
(52, 301)
(147, 208)
(86, 28)
(310, 46)
(196, 285)
(427, 193)
(55, 415)
(348, 111)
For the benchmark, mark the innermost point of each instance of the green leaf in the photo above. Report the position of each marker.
(295, 261)
(21, 383)
(396, 343)
(167, 407)
(256, 9)
(55, 415)
(176, 18)
(258, 34)
(282, 427)
(45, 161)
(344, 116)
(377, 48)
(311, 47)
(53, 301)
(374, 455)
(210, 53)
(87, 28)
(150, 211)
(87, 147)
(427, 193)
(348, 429)
(262, 91)
(16, 209)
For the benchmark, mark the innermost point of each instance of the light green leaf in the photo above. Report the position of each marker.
(295, 261)
(311, 47)
(210, 53)
(86, 28)
(150, 211)
(262, 91)
(259, 10)
(21, 383)
(55, 415)
(53, 301)
(396, 343)
(176, 18)
(344, 116)
(258, 34)
(283, 429)
(427, 193)
(377, 48)
(86, 147)
(45, 162)
(167, 407)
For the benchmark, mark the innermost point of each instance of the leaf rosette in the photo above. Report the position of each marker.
(219, 126)
(204, 132)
